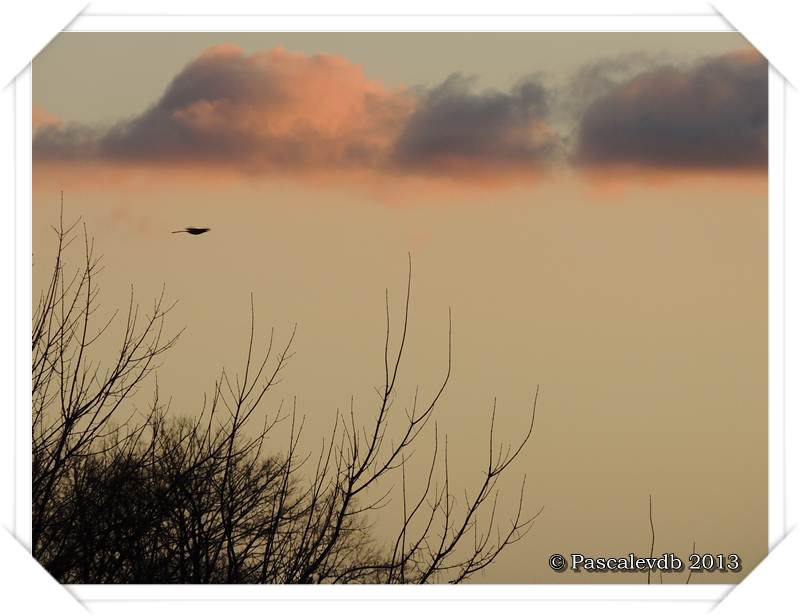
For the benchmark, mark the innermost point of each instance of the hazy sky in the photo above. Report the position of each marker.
(592, 207)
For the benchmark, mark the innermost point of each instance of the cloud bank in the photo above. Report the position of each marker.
(278, 113)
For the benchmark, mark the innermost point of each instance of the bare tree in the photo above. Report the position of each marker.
(74, 396)
(359, 462)
(201, 499)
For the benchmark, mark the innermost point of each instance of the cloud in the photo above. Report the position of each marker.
(260, 113)
(455, 130)
(282, 113)
(709, 117)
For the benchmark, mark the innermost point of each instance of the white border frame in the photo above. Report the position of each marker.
(549, 22)
(776, 310)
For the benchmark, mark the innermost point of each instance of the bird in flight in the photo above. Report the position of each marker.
(193, 230)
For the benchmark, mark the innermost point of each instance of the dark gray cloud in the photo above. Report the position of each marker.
(71, 142)
(710, 116)
(454, 126)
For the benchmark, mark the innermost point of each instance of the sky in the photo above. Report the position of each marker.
(592, 207)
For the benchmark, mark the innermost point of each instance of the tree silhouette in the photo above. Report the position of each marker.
(74, 396)
(201, 499)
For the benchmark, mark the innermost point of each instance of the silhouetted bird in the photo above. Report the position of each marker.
(193, 230)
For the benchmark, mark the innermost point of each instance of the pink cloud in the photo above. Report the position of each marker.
(42, 117)
(229, 114)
